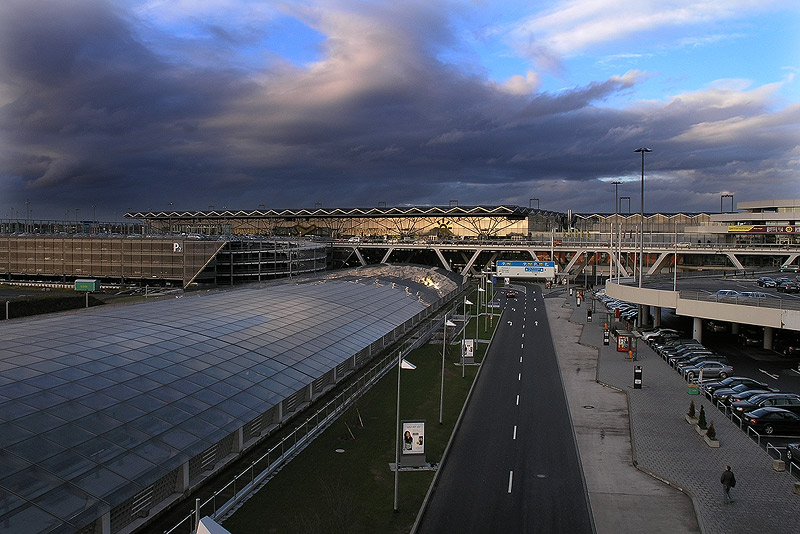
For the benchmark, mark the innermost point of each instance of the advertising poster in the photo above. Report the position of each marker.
(413, 437)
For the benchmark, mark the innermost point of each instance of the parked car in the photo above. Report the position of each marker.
(788, 346)
(745, 395)
(750, 337)
(725, 294)
(773, 420)
(695, 360)
(659, 332)
(716, 326)
(710, 369)
(732, 381)
(793, 452)
(766, 281)
(674, 359)
(754, 295)
(789, 401)
(788, 287)
(723, 394)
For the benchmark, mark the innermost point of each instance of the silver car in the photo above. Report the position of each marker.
(710, 369)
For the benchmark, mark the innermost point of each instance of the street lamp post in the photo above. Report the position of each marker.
(725, 195)
(616, 220)
(642, 151)
(464, 335)
(451, 324)
(400, 362)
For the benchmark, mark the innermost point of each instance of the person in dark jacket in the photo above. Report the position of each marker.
(728, 481)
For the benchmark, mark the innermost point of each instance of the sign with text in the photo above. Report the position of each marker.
(763, 229)
(526, 269)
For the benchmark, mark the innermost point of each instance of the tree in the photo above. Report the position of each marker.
(701, 421)
(711, 433)
(692, 412)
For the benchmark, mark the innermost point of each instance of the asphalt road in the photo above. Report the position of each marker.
(513, 466)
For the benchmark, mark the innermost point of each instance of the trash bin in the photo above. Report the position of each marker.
(692, 389)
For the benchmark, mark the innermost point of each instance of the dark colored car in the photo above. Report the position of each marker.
(788, 401)
(787, 287)
(745, 395)
(511, 294)
(710, 387)
(724, 394)
(766, 281)
(751, 337)
(716, 326)
(773, 420)
(787, 346)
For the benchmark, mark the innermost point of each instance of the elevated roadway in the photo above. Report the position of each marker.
(770, 313)
(573, 257)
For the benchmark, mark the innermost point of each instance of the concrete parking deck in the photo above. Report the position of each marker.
(619, 427)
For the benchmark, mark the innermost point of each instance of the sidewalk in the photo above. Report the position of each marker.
(618, 427)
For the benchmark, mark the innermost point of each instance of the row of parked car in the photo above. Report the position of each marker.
(688, 356)
(763, 408)
(627, 310)
(782, 284)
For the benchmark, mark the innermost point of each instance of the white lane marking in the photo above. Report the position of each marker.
(517, 400)
(523, 335)
(515, 432)
(519, 377)
(510, 480)
(769, 374)
(536, 309)
(536, 323)
(520, 359)
(795, 371)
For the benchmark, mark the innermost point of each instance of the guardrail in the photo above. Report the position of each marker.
(231, 495)
(774, 303)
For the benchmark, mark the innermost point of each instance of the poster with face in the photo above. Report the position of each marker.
(412, 437)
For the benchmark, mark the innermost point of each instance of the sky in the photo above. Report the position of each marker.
(113, 106)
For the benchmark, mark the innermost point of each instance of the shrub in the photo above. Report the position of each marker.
(711, 433)
(692, 412)
(701, 421)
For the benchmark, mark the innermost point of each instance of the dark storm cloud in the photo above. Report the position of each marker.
(92, 114)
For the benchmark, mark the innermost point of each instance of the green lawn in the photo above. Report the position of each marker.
(323, 491)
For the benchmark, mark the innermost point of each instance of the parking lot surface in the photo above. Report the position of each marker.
(664, 446)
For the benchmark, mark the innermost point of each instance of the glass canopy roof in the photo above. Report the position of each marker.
(97, 405)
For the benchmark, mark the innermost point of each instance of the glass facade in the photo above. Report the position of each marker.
(99, 405)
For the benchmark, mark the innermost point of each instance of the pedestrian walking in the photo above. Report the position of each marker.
(728, 481)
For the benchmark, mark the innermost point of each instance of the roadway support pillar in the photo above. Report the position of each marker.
(657, 316)
(735, 329)
(768, 337)
(697, 329)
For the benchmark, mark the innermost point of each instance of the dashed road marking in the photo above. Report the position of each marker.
(517, 400)
(769, 374)
(510, 480)
(515, 432)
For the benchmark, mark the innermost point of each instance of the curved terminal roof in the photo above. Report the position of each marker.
(96, 405)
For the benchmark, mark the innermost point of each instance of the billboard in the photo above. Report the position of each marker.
(413, 437)
(526, 269)
(763, 229)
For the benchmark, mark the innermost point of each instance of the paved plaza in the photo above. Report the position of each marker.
(676, 487)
